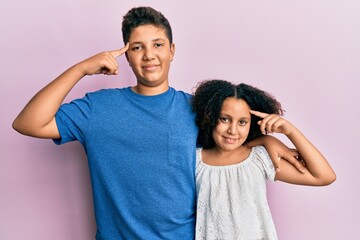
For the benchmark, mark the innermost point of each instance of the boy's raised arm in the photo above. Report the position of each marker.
(37, 119)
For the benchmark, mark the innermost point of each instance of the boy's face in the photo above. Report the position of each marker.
(233, 126)
(150, 55)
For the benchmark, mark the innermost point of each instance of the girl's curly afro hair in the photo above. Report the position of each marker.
(208, 99)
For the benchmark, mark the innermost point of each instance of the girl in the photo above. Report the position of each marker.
(230, 176)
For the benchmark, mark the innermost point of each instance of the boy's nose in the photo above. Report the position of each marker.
(148, 55)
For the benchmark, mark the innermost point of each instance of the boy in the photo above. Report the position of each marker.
(140, 141)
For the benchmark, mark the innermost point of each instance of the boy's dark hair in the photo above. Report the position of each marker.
(139, 16)
(208, 99)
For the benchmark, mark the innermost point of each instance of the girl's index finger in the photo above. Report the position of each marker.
(259, 114)
(119, 52)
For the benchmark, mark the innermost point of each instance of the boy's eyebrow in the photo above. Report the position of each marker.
(154, 40)
(158, 39)
(135, 43)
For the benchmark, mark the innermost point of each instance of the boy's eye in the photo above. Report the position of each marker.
(157, 45)
(136, 48)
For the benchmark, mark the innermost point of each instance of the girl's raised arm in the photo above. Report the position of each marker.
(318, 171)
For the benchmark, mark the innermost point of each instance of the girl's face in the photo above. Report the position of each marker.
(233, 126)
(149, 55)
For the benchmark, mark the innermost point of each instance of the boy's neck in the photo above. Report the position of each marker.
(150, 91)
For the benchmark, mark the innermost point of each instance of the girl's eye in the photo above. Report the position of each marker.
(224, 119)
(242, 122)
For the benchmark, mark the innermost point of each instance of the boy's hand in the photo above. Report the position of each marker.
(102, 63)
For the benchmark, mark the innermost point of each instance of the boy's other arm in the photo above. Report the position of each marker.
(277, 150)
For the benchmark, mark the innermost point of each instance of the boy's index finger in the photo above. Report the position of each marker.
(119, 52)
(259, 114)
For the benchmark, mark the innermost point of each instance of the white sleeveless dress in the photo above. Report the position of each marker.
(231, 200)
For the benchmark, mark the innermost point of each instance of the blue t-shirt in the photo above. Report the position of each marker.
(141, 152)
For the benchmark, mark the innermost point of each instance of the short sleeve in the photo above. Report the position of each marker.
(198, 156)
(72, 120)
(264, 162)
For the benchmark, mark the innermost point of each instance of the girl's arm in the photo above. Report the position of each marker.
(318, 171)
(37, 119)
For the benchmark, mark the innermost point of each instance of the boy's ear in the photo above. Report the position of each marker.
(172, 51)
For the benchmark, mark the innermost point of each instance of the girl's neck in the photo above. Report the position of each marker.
(220, 157)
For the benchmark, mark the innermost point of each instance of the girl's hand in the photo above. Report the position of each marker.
(102, 63)
(272, 123)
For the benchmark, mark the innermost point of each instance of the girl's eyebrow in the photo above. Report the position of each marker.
(224, 115)
(228, 116)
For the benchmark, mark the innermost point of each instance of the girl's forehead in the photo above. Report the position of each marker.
(235, 101)
(234, 105)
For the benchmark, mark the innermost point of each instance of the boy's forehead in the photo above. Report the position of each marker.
(147, 32)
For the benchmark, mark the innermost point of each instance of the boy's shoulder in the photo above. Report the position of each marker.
(106, 93)
(182, 93)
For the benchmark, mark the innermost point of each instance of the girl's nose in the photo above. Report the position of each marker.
(232, 129)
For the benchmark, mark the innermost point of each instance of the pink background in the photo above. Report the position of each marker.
(307, 53)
